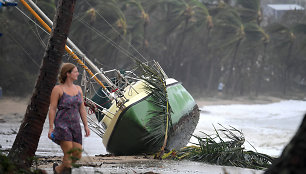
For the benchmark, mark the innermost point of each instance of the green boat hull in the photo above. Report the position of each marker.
(129, 134)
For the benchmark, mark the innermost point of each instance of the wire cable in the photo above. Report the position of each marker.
(114, 29)
(110, 41)
(32, 20)
(24, 50)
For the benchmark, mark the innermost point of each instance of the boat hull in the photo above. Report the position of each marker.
(129, 134)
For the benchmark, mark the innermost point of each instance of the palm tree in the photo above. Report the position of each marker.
(180, 23)
(139, 24)
(104, 25)
(251, 15)
(176, 25)
(203, 24)
(229, 33)
(27, 139)
(251, 71)
(234, 27)
(265, 39)
(285, 39)
(250, 11)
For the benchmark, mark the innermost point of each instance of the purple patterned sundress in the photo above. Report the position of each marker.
(67, 119)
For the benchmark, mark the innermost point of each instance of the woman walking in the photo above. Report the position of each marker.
(66, 109)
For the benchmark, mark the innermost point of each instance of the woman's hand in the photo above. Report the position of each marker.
(49, 133)
(87, 131)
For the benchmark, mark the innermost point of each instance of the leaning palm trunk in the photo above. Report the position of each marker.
(26, 142)
(211, 61)
(179, 49)
(261, 71)
(229, 82)
(286, 70)
(293, 157)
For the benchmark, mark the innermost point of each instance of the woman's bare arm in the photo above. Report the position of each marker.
(83, 114)
(55, 95)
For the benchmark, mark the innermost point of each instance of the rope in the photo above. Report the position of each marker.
(110, 41)
(36, 33)
(97, 93)
(28, 54)
(32, 20)
(167, 122)
(72, 54)
(39, 38)
(36, 25)
(118, 33)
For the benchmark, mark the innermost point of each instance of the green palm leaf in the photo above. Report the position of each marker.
(160, 122)
(250, 11)
(224, 150)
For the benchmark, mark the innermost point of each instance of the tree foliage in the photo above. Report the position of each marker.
(198, 43)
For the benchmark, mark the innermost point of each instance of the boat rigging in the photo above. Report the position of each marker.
(137, 111)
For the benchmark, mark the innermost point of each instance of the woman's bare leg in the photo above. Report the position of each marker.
(77, 152)
(66, 163)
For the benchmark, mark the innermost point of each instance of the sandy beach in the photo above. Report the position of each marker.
(12, 112)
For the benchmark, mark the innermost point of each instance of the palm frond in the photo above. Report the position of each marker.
(250, 4)
(224, 150)
(277, 28)
(253, 31)
(250, 10)
(160, 122)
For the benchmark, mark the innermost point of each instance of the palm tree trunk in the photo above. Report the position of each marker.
(286, 70)
(145, 41)
(214, 66)
(293, 157)
(238, 83)
(228, 84)
(26, 142)
(212, 61)
(261, 71)
(179, 52)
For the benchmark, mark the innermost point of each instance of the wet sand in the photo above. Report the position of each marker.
(95, 158)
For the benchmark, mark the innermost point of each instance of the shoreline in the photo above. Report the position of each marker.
(143, 164)
(95, 161)
(9, 105)
(12, 111)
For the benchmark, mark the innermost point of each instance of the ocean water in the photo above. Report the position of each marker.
(267, 127)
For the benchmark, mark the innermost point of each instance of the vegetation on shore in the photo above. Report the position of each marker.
(200, 43)
(228, 151)
(8, 167)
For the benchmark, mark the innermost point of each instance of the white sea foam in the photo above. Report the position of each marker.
(268, 127)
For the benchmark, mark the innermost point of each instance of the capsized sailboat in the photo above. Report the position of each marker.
(137, 111)
(139, 126)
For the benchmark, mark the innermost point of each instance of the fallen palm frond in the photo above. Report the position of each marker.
(160, 123)
(227, 151)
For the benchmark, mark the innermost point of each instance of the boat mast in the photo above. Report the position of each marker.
(79, 52)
